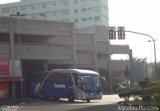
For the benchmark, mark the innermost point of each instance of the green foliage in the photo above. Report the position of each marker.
(151, 71)
(138, 69)
(146, 98)
(156, 97)
(125, 95)
(143, 83)
(123, 85)
(152, 88)
(143, 103)
(136, 94)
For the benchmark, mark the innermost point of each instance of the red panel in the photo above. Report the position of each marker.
(4, 67)
(3, 90)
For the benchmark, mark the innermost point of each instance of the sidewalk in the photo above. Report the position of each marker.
(16, 101)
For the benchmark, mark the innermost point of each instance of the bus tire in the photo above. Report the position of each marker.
(41, 96)
(88, 100)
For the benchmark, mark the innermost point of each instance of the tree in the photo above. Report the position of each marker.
(151, 70)
(139, 69)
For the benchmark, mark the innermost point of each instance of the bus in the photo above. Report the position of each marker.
(73, 84)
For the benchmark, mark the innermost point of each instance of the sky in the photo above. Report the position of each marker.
(135, 15)
(141, 16)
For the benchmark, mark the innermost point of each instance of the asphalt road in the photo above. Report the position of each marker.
(108, 103)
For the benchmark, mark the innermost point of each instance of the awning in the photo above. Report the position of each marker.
(10, 79)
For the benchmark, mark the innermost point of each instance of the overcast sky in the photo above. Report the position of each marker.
(136, 15)
(141, 16)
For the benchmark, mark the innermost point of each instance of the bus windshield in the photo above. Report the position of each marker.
(89, 82)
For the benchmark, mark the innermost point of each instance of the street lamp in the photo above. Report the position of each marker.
(17, 15)
(154, 44)
(152, 40)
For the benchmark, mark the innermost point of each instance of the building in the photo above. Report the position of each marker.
(57, 34)
(84, 13)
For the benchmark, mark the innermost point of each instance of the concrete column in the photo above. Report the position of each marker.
(74, 49)
(45, 65)
(12, 61)
(109, 67)
(95, 53)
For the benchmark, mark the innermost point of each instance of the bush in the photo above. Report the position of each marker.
(154, 84)
(143, 83)
(146, 98)
(125, 95)
(136, 94)
(151, 90)
(156, 97)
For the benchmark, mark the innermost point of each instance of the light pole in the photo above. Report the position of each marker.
(154, 46)
(17, 15)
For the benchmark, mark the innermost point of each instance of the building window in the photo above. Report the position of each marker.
(44, 6)
(65, 20)
(84, 19)
(23, 8)
(64, 12)
(13, 10)
(89, 18)
(76, 20)
(5, 10)
(84, 9)
(54, 3)
(33, 7)
(97, 18)
(75, 10)
(64, 2)
(54, 13)
(75, 1)
(96, 9)
(90, 8)
(83, 0)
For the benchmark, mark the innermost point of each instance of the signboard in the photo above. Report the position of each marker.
(4, 71)
(4, 67)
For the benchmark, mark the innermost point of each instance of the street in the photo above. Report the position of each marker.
(108, 103)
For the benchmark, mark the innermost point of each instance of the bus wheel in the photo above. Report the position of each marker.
(88, 100)
(41, 96)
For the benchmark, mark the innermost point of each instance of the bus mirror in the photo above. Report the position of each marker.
(103, 79)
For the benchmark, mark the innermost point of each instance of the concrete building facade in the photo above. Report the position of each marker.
(35, 48)
(77, 38)
(84, 13)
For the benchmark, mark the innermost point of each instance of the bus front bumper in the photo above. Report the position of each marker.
(90, 96)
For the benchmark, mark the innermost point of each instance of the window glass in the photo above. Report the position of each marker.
(60, 78)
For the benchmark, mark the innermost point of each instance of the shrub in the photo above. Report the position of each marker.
(125, 95)
(152, 90)
(156, 97)
(146, 98)
(136, 94)
(143, 83)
